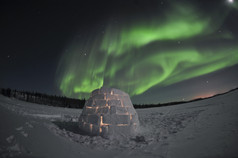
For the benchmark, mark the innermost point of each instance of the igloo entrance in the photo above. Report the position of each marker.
(109, 112)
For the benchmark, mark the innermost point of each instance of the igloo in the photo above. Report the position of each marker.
(109, 113)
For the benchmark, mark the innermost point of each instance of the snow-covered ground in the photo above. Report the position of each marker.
(202, 129)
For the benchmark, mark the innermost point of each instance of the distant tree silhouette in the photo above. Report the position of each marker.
(8, 92)
(39, 98)
(63, 101)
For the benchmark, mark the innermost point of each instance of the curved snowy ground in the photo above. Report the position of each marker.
(207, 128)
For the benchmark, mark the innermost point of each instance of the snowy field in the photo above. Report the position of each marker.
(202, 129)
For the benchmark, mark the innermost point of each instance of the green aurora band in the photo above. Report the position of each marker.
(137, 56)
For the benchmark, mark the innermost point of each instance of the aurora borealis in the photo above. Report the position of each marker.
(156, 51)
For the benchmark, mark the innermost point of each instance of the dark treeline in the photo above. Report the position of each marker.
(138, 106)
(60, 101)
(39, 98)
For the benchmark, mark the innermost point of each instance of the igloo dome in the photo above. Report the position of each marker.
(109, 113)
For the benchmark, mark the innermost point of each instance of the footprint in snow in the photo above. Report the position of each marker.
(15, 148)
(10, 139)
(22, 131)
(24, 134)
(19, 128)
(29, 125)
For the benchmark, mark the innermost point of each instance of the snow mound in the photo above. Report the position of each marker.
(109, 113)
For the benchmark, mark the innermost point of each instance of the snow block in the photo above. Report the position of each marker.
(98, 96)
(107, 119)
(113, 109)
(95, 92)
(89, 102)
(121, 119)
(117, 91)
(114, 102)
(87, 128)
(104, 132)
(109, 96)
(127, 102)
(109, 113)
(103, 110)
(133, 119)
(95, 129)
(121, 110)
(100, 102)
(93, 119)
(90, 110)
(130, 110)
(105, 90)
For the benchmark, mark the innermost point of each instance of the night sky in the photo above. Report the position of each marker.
(155, 50)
